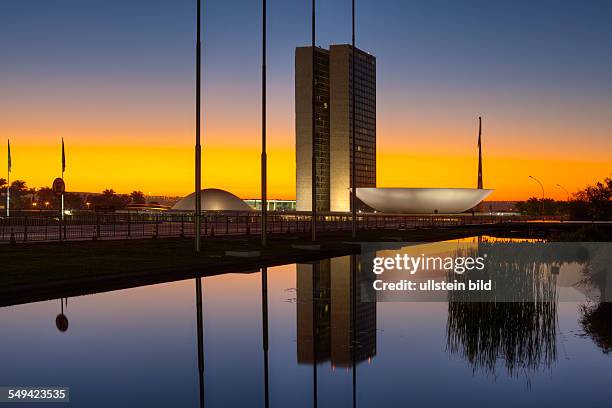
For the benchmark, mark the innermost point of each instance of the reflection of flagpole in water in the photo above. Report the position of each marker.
(354, 339)
(61, 321)
(315, 320)
(264, 319)
(200, 322)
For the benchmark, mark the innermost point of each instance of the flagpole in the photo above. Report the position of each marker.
(198, 147)
(264, 159)
(63, 169)
(313, 175)
(479, 153)
(8, 182)
(8, 194)
(353, 141)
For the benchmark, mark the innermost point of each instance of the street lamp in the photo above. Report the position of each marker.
(566, 192)
(542, 187)
(568, 198)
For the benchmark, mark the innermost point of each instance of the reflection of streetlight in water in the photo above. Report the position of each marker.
(61, 321)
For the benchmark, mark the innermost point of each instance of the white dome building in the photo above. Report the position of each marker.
(213, 199)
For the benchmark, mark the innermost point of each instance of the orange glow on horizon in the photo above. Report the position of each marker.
(168, 170)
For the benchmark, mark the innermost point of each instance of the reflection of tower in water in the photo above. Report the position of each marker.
(332, 313)
(313, 311)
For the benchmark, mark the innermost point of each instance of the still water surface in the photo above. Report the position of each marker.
(139, 347)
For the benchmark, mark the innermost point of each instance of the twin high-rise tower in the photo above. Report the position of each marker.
(333, 117)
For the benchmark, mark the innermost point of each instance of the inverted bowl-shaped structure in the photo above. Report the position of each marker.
(213, 199)
(422, 200)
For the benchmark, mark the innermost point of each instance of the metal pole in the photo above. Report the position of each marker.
(8, 182)
(479, 153)
(62, 198)
(198, 147)
(566, 192)
(264, 169)
(200, 333)
(8, 195)
(313, 174)
(353, 141)
(542, 187)
(62, 222)
(264, 311)
(353, 263)
(315, 323)
(63, 169)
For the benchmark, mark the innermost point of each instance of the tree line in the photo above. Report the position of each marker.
(592, 203)
(26, 198)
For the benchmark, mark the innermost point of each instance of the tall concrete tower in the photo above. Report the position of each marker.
(334, 90)
(303, 127)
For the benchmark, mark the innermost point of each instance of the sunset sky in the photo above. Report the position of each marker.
(115, 79)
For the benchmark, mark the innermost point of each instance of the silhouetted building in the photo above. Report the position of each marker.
(333, 113)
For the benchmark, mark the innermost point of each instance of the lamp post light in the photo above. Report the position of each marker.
(566, 192)
(568, 198)
(542, 187)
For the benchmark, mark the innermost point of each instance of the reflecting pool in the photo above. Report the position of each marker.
(305, 335)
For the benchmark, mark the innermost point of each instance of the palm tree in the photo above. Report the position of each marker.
(19, 186)
(19, 190)
(108, 193)
(46, 198)
(137, 197)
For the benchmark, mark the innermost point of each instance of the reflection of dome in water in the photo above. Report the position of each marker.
(213, 199)
(61, 321)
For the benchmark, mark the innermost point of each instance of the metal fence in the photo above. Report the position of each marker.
(92, 226)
